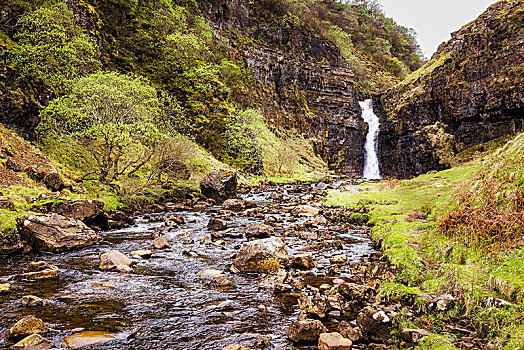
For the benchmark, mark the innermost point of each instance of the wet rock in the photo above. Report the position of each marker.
(190, 253)
(44, 272)
(160, 243)
(306, 210)
(275, 278)
(219, 185)
(210, 272)
(303, 261)
(54, 181)
(333, 341)
(262, 255)
(316, 306)
(40, 266)
(55, 233)
(31, 300)
(142, 254)
(306, 331)
(352, 333)
(258, 231)
(221, 281)
(7, 204)
(262, 343)
(86, 210)
(412, 336)
(123, 269)
(34, 342)
(374, 323)
(25, 327)
(217, 224)
(339, 259)
(110, 260)
(234, 204)
(5, 288)
(235, 347)
(99, 284)
(12, 244)
(89, 338)
(359, 292)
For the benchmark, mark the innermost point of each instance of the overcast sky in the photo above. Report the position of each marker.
(433, 20)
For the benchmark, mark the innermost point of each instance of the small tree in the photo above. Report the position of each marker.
(113, 117)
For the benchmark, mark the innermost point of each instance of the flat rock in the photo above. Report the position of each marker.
(99, 284)
(222, 281)
(25, 327)
(334, 341)
(31, 300)
(210, 272)
(39, 275)
(89, 338)
(235, 347)
(160, 243)
(110, 260)
(262, 255)
(306, 210)
(258, 231)
(306, 331)
(34, 342)
(339, 259)
(55, 233)
(143, 254)
(5, 288)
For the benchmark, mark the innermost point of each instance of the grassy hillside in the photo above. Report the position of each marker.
(457, 231)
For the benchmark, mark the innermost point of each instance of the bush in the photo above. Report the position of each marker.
(113, 117)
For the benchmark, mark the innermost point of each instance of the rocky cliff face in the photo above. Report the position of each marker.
(472, 91)
(304, 82)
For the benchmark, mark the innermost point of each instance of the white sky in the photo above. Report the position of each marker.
(433, 20)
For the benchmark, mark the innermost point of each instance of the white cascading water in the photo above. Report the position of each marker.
(371, 167)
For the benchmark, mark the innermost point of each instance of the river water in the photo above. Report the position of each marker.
(164, 303)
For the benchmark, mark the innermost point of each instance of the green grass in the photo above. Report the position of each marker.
(403, 216)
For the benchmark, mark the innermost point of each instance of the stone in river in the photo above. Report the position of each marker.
(303, 261)
(142, 254)
(334, 341)
(258, 231)
(31, 300)
(89, 338)
(124, 269)
(219, 185)
(217, 224)
(110, 260)
(339, 259)
(221, 281)
(160, 243)
(39, 275)
(99, 284)
(261, 255)
(306, 331)
(5, 288)
(34, 342)
(306, 210)
(26, 326)
(210, 272)
(55, 233)
(235, 347)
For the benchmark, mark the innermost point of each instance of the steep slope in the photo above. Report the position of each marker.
(471, 91)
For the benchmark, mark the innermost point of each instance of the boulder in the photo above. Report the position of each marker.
(352, 333)
(306, 331)
(339, 259)
(234, 204)
(306, 210)
(261, 255)
(31, 300)
(54, 181)
(25, 327)
(262, 343)
(258, 231)
(375, 324)
(34, 342)
(86, 210)
(333, 341)
(316, 306)
(219, 185)
(6, 203)
(359, 292)
(303, 261)
(110, 260)
(217, 224)
(55, 233)
(160, 243)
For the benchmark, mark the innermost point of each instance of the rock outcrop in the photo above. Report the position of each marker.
(471, 92)
(55, 233)
(305, 83)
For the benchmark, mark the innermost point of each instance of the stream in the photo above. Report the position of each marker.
(165, 303)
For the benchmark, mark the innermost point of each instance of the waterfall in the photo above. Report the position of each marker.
(371, 167)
